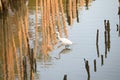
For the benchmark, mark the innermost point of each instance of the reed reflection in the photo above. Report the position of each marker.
(15, 41)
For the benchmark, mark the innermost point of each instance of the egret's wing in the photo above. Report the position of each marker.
(66, 41)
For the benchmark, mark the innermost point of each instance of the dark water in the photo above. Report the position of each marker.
(83, 36)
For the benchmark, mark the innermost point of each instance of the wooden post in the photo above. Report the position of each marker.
(95, 69)
(65, 77)
(87, 67)
(97, 46)
(102, 60)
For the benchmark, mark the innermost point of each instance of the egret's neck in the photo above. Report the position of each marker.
(58, 36)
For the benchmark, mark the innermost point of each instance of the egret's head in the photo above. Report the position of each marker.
(57, 35)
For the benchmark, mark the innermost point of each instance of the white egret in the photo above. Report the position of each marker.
(64, 41)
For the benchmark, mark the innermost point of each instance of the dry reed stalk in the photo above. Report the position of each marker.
(45, 28)
(48, 28)
(63, 18)
(48, 22)
(58, 17)
(16, 56)
(36, 29)
(11, 63)
(70, 12)
(33, 75)
(20, 45)
(53, 21)
(24, 37)
(3, 51)
(42, 13)
(10, 53)
(26, 22)
(19, 34)
(82, 3)
(74, 5)
(4, 65)
(51, 31)
(6, 46)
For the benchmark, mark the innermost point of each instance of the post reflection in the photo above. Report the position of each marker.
(95, 68)
(107, 36)
(87, 68)
(97, 45)
(118, 25)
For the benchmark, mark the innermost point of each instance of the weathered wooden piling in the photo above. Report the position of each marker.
(24, 68)
(87, 67)
(65, 77)
(119, 31)
(105, 37)
(105, 25)
(102, 60)
(108, 32)
(118, 10)
(97, 36)
(97, 46)
(117, 27)
(95, 69)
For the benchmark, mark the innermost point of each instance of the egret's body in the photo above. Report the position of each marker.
(64, 41)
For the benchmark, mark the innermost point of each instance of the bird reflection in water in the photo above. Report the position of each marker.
(64, 51)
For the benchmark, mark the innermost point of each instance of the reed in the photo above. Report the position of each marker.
(74, 5)
(69, 11)
(16, 57)
(82, 3)
(36, 29)
(21, 50)
(63, 18)
(58, 17)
